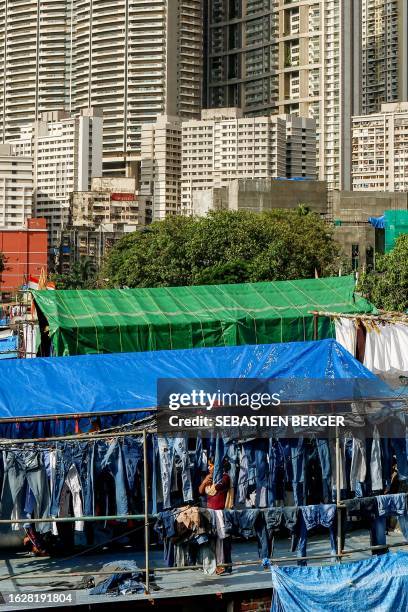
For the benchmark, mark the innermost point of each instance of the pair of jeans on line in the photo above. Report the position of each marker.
(169, 449)
(22, 469)
(389, 505)
(247, 524)
(323, 515)
(296, 470)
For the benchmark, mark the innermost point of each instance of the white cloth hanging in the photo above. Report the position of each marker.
(386, 348)
(346, 334)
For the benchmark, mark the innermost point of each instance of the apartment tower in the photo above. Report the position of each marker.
(133, 58)
(384, 53)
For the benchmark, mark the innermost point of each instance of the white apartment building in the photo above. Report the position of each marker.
(224, 146)
(136, 59)
(317, 69)
(16, 188)
(380, 149)
(66, 153)
(384, 52)
(160, 174)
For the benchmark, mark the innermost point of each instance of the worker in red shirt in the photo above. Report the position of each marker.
(216, 493)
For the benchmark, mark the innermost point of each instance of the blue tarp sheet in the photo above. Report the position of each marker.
(125, 381)
(379, 584)
(8, 347)
(377, 222)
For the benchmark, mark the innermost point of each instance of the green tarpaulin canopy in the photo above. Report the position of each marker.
(126, 320)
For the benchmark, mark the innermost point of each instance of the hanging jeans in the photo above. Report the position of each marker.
(169, 448)
(276, 472)
(261, 447)
(296, 471)
(22, 468)
(132, 451)
(324, 457)
(247, 472)
(108, 458)
(79, 454)
(323, 515)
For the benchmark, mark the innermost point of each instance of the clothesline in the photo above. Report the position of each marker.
(386, 317)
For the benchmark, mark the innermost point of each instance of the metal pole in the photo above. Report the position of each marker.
(315, 326)
(146, 505)
(338, 459)
(73, 438)
(74, 519)
(77, 415)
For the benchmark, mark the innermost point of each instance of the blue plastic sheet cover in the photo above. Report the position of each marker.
(379, 584)
(125, 381)
(377, 222)
(9, 347)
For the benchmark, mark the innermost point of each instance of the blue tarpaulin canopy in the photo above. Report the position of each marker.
(378, 584)
(377, 222)
(127, 381)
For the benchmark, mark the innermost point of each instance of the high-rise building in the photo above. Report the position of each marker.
(66, 153)
(16, 188)
(384, 53)
(160, 173)
(135, 59)
(298, 57)
(318, 72)
(241, 55)
(224, 146)
(380, 149)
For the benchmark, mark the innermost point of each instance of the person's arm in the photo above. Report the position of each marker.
(224, 484)
(206, 482)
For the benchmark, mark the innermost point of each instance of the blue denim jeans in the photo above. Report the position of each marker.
(313, 516)
(22, 468)
(132, 449)
(108, 459)
(276, 472)
(169, 448)
(261, 447)
(247, 524)
(298, 461)
(79, 454)
(247, 472)
(324, 458)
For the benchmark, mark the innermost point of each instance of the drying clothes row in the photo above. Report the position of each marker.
(265, 473)
(380, 346)
(376, 509)
(194, 535)
(38, 483)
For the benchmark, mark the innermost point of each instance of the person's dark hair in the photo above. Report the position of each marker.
(226, 465)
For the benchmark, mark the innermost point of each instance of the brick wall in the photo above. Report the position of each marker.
(253, 604)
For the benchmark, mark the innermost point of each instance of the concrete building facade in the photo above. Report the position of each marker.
(135, 59)
(160, 174)
(16, 188)
(110, 201)
(258, 195)
(224, 146)
(100, 217)
(380, 149)
(359, 240)
(66, 153)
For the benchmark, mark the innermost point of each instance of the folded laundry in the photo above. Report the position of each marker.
(126, 579)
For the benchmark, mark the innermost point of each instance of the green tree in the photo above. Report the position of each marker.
(83, 275)
(224, 247)
(387, 287)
